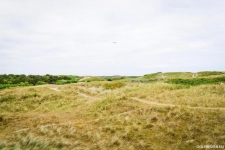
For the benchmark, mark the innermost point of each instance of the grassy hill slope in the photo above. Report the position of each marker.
(112, 115)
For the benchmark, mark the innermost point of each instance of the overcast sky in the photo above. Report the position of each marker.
(77, 36)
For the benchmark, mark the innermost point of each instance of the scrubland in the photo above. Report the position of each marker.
(118, 115)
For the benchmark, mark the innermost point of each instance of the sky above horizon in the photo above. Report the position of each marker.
(77, 37)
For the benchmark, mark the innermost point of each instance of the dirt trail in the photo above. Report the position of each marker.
(81, 94)
(172, 105)
(85, 95)
(91, 98)
(54, 88)
(153, 103)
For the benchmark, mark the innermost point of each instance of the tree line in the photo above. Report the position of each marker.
(12, 80)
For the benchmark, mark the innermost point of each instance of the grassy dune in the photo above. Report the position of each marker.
(112, 115)
(184, 75)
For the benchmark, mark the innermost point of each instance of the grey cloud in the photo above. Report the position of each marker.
(75, 37)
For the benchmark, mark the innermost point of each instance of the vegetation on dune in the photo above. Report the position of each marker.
(11, 80)
(161, 75)
(178, 74)
(90, 79)
(183, 75)
(210, 73)
(153, 75)
(157, 111)
(113, 85)
(197, 81)
(112, 115)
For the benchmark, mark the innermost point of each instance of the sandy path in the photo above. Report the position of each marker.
(91, 98)
(85, 95)
(55, 89)
(81, 94)
(153, 103)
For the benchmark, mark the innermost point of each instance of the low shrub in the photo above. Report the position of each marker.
(109, 79)
(40, 83)
(3, 86)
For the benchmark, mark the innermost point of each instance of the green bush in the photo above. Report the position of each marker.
(3, 86)
(24, 84)
(74, 80)
(61, 82)
(40, 82)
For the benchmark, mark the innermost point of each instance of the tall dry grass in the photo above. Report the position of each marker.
(90, 116)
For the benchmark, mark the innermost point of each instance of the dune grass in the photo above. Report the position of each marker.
(93, 116)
